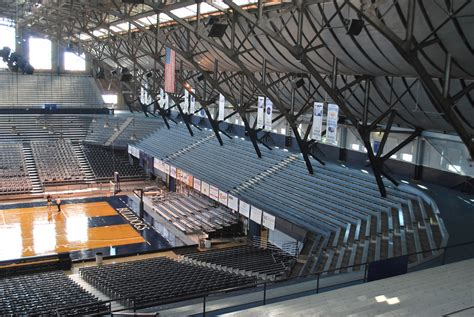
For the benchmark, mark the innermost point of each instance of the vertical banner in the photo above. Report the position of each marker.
(221, 114)
(318, 110)
(205, 188)
(244, 209)
(186, 101)
(172, 171)
(232, 202)
(192, 102)
(170, 71)
(166, 168)
(268, 114)
(332, 117)
(268, 221)
(167, 102)
(162, 98)
(223, 197)
(260, 110)
(256, 215)
(288, 135)
(214, 193)
(197, 184)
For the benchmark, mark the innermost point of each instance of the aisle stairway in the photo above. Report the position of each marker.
(31, 167)
(83, 162)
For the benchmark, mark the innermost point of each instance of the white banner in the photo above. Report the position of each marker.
(331, 128)
(167, 102)
(158, 164)
(221, 114)
(133, 151)
(214, 193)
(268, 221)
(268, 115)
(260, 110)
(205, 188)
(172, 171)
(223, 197)
(162, 98)
(318, 111)
(256, 215)
(244, 209)
(232, 202)
(197, 184)
(186, 101)
(166, 168)
(192, 103)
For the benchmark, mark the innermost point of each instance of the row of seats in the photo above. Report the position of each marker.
(193, 213)
(56, 162)
(105, 161)
(13, 173)
(263, 262)
(154, 280)
(42, 294)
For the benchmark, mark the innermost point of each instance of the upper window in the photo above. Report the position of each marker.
(40, 53)
(7, 38)
(74, 62)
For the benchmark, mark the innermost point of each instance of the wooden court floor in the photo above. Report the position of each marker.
(80, 226)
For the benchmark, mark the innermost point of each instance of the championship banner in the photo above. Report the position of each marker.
(188, 179)
(223, 197)
(158, 164)
(260, 106)
(244, 209)
(172, 171)
(256, 215)
(268, 221)
(268, 115)
(331, 128)
(221, 114)
(318, 111)
(192, 103)
(186, 101)
(214, 193)
(197, 184)
(133, 151)
(232, 202)
(205, 188)
(166, 168)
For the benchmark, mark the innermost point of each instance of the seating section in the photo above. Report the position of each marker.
(13, 173)
(42, 294)
(155, 280)
(56, 162)
(105, 161)
(193, 213)
(267, 262)
(39, 89)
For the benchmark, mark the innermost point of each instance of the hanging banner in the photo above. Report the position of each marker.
(170, 70)
(232, 202)
(268, 221)
(197, 184)
(331, 128)
(256, 215)
(158, 164)
(268, 115)
(205, 188)
(162, 98)
(133, 151)
(192, 103)
(244, 209)
(214, 193)
(288, 134)
(260, 110)
(166, 168)
(221, 114)
(318, 110)
(167, 102)
(186, 101)
(223, 197)
(172, 171)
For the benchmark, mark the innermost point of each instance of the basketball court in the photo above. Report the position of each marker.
(83, 227)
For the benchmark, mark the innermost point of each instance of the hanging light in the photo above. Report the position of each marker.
(93, 119)
(133, 137)
(106, 124)
(13, 129)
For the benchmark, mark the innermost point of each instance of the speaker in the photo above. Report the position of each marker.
(297, 83)
(126, 77)
(217, 30)
(354, 26)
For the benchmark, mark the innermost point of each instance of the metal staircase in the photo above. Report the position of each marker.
(37, 187)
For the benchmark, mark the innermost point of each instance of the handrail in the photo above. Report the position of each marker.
(96, 304)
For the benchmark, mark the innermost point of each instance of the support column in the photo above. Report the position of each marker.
(419, 158)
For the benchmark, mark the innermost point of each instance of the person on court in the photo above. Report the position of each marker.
(58, 203)
(48, 198)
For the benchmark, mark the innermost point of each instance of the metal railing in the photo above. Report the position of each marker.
(314, 277)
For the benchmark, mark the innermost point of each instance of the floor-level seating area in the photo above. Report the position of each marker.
(154, 280)
(56, 162)
(105, 161)
(13, 172)
(194, 213)
(266, 262)
(42, 294)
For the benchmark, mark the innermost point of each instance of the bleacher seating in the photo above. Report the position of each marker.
(105, 161)
(266, 262)
(39, 89)
(56, 162)
(159, 279)
(42, 294)
(13, 173)
(194, 213)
